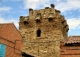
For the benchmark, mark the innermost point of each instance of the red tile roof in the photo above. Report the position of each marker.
(69, 47)
(73, 39)
(9, 32)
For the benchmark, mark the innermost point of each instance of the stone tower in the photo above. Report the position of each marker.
(42, 32)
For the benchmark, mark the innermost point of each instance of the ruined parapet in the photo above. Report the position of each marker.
(57, 14)
(42, 31)
(65, 26)
(43, 12)
(24, 20)
(52, 5)
(30, 11)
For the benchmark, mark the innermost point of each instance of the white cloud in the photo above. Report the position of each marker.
(74, 23)
(68, 5)
(5, 8)
(6, 20)
(15, 21)
(65, 5)
(35, 3)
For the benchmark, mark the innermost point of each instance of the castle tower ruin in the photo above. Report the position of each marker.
(42, 31)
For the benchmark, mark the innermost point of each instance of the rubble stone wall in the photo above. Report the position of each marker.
(52, 29)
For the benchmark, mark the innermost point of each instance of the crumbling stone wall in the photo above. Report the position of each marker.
(42, 31)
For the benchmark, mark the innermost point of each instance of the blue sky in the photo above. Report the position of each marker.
(11, 10)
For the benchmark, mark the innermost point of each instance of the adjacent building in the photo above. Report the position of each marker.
(70, 47)
(10, 41)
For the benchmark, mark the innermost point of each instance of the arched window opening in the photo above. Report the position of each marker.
(38, 33)
(25, 22)
(50, 19)
(38, 21)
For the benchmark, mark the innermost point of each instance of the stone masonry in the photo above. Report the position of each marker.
(42, 31)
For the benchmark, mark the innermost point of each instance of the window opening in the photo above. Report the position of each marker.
(38, 21)
(38, 33)
(50, 19)
(2, 50)
(25, 22)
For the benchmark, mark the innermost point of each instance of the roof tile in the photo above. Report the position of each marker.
(73, 39)
(9, 31)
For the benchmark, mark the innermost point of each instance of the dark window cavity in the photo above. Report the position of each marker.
(50, 19)
(38, 33)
